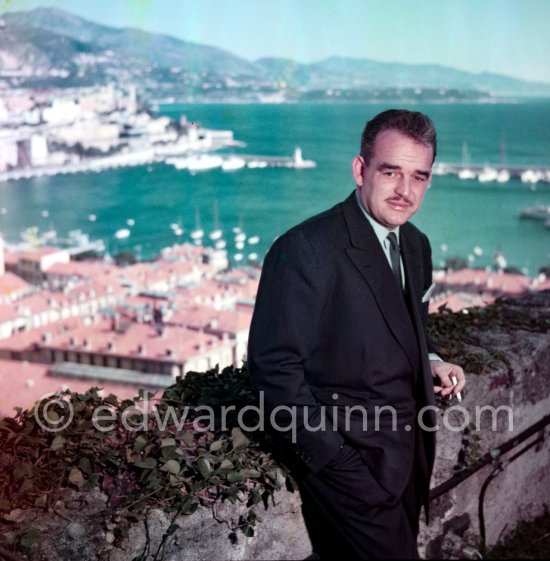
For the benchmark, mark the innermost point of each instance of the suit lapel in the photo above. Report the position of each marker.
(414, 275)
(368, 257)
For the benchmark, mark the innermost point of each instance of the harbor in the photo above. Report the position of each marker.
(192, 161)
(204, 162)
(491, 173)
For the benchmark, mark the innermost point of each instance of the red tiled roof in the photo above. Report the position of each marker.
(12, 284)
(23, 383)
(8, 313)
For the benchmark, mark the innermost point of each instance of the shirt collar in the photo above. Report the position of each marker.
(380, 231)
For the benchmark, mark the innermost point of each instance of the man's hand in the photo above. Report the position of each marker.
(446, 374)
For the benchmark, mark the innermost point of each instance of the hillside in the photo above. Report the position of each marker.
(48, 47)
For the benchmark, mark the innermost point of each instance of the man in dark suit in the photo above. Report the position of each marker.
(338, 345)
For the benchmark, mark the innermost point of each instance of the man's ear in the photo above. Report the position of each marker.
(358, 170)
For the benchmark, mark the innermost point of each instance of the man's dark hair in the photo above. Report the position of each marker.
(413, 124)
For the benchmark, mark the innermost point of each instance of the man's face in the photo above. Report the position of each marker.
(392, 184)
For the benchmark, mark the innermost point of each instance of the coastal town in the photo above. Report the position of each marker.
(46, 132)
(82, 324)
(60, 131)
(67, 322)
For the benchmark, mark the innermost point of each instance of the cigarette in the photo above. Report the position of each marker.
(455, 382)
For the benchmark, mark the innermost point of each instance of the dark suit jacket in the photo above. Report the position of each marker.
(331, 328)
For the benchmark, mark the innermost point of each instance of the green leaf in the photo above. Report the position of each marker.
(216, 446)
(250, 472)
(52, 416)
(171, 466)
(277, 476)
(148, 463)
(189, 508)
(168, 452)
(249, 532)
(204, 467)
(140, 443)
(167, 442)
(238, 438)
(227, 464)
(188, 438)
(234, 477)
(57, 443)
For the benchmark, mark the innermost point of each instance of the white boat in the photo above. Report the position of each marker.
(531, 176)
(253, 164)
(220, 244)
(239, 245)
(204, 162)
(252, 256)
(238, 257)
(215, 234)
(130, 222)
(466, 173)
(122, 234)
(503, 176)
(500, 260)
(253, 240)
(240, 237)
(439, 169)
(197, 234)
(92, 217)
(233, 163)
(487, 174)
(178, 163)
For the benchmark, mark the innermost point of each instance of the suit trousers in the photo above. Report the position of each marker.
(350, 515)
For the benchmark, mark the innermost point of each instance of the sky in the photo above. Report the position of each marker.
(510, 37)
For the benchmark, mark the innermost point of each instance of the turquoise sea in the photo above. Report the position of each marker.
(457, 215)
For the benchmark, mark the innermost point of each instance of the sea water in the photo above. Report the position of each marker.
(463, 218)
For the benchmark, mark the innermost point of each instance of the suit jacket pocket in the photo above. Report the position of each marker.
(328, 396)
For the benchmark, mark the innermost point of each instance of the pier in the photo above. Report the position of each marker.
(494, 173)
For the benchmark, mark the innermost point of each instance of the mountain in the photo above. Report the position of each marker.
(48, 47)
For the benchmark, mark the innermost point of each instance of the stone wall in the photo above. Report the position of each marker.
(519, 379)
(521, 490)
